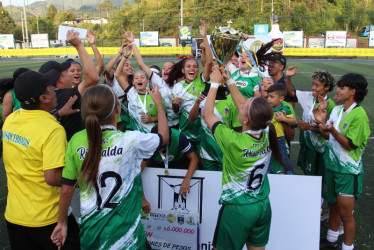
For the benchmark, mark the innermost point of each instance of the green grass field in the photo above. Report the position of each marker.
(363, 211)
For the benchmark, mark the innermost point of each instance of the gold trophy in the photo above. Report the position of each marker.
(223, 44)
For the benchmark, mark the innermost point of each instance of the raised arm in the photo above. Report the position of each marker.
(208, 115)
(91, 77)
(237, 97)
(163, 127)
(208, 54)
(138, 57)
(194, 113)
(121, 78)
(112, 62)
(291, 71)
(98, 57)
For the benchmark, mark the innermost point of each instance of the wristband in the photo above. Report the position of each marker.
(229, 82)
(126, 57)
(214, 85)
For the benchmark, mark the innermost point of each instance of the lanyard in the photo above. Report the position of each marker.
(144, 104)
(343, 114)
(186, 88)
(165, 158)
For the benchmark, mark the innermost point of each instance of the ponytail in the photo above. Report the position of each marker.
(90, 166)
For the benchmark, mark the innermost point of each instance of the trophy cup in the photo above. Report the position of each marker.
(223, 44)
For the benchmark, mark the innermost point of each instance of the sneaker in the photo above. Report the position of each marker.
(328, 244)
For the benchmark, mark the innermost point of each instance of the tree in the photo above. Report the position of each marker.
(51, 12)
(106, 6)
(7, 24)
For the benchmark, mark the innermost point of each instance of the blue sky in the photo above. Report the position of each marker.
(17, 2)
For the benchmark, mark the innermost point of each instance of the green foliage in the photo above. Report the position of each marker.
(7, 24)
(51, 12)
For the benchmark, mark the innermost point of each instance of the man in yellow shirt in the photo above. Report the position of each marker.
(34, 152)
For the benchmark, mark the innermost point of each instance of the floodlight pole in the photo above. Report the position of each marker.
(26, 31)
(181, 12)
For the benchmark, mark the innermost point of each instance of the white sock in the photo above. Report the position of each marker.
(345, 247)
(332, 236)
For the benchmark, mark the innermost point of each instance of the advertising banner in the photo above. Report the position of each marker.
(336, 39)
(371, 38)
(185, 34)
(39, 41)
(293, 39)
(254, 43)
(261, 29)
(6, 41)
(149, 38)
(287, 197)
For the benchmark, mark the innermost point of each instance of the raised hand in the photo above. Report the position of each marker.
(216, 75)
(291, 71)
(320, 116)
(323, 104)
(90, 37)
(127, 51)
(129, 36)
(202, 28)
(72, 37)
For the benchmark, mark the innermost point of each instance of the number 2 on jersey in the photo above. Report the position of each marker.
(101, 181)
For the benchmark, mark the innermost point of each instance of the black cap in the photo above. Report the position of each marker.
(53, 65)
(278, 57)
(31, 84)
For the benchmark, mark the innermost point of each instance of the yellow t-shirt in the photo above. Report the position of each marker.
(33, 141)
(278, 125)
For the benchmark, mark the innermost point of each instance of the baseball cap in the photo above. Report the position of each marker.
(53, 65)
(278, 57)
(31, 84)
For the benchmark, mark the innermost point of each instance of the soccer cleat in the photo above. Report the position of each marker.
(328, 244)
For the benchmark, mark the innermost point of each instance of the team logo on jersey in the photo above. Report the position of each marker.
(170, 157)
(345, 125)
(171, 218)
(180, 219)
(150, 105)
(241, 84)
(227, 110)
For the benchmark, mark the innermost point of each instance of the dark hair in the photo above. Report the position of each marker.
(261, 113)
(324, 77)
(279, 88)
(357, 82)
(72, 61)
(98, 104)
(176, 72)
(8, 83)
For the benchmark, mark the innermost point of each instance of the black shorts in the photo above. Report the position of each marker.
(39, 238)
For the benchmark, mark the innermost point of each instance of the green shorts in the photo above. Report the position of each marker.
(238, 225)
(335, 183)
(212, 165)
(310, 161)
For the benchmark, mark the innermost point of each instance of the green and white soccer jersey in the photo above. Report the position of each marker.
(354, 126)
(245, 163)
(308, 102)
(138, 105)
(110, 210)
(247, 83)
(189, 93)
(166, 93)
(209, 149)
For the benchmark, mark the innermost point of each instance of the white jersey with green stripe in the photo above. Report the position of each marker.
(308, 103)
(111, 207)
(189, 93)
(245, 163)
(354, 125)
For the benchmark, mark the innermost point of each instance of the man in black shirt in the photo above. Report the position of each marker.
(63, 87)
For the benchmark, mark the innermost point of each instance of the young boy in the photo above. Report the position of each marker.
(282, 117)
(347, 132)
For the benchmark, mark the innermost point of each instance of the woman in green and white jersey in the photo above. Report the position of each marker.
(105, 163)
(347, 132)
(186, 91)
(245, 215)
(312, 143)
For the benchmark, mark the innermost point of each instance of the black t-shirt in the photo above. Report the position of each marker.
(72, 123)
